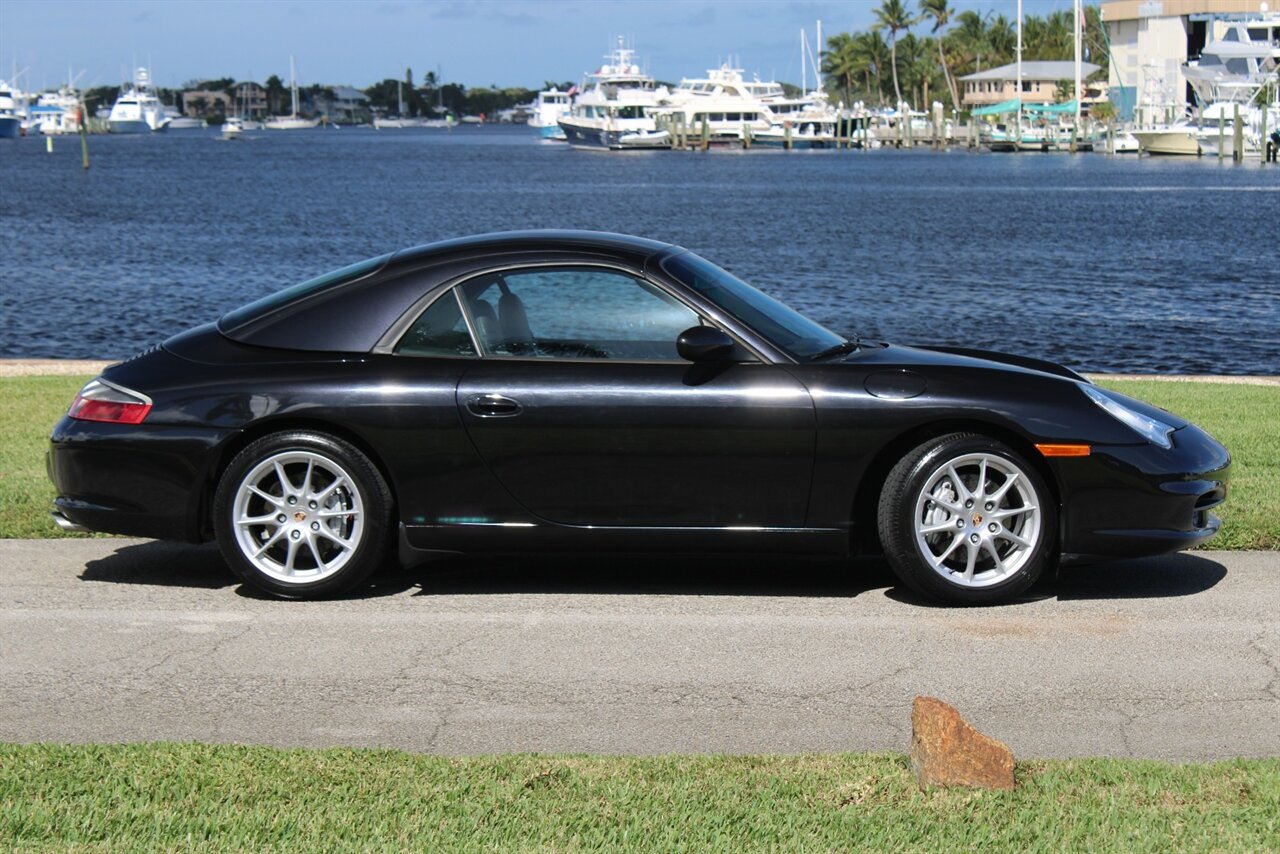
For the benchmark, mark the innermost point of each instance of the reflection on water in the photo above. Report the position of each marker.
(1103, 263)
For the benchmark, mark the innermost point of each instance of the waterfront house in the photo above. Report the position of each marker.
(202, 103)
(345, 104)
(1040, 79)
(251, 99)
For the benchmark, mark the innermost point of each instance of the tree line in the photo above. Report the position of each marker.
(431, 96)
(916, 53)
(434, 96)
(888, 63)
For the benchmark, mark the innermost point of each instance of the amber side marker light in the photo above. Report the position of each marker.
(1064, 450)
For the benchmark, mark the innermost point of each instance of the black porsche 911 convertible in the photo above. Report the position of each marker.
(586, 391)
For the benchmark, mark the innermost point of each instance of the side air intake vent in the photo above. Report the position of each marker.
(147, 352)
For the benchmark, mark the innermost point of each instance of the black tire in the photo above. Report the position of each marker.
(934, 564)
(338, 538)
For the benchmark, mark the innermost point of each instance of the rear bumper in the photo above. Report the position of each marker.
(1136, 500)
(130, 479)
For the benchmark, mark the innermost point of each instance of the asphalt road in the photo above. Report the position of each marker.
(124, 640)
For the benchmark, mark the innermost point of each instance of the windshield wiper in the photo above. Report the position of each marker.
(838, 350)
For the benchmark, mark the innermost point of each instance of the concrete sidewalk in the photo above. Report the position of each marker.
(126, 640)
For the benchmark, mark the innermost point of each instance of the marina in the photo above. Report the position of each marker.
(857, 211)
(1231, 107)
(1119, 264)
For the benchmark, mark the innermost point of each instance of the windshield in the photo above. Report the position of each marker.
(796, 334)
(261, 307)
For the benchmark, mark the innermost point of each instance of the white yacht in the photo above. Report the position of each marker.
(547, 110)
(292, 121)
(1124, 143)
(137, 110)
(1234, 67)
(616, 110)
(233, 128)
(1226, 80)
(723, 102)
(10, 121)
(178, 121)
(1214, 128)
(57, 112)
(395, 122)
(810, 118)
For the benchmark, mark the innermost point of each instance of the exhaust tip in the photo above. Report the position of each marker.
(66, 524)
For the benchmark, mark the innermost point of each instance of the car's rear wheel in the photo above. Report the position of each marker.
(302, 514)
(965, 519)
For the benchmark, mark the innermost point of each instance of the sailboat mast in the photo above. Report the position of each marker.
(1079, 25)
(293, 84)
(817, 67)
(804, 64)
(1018, 83)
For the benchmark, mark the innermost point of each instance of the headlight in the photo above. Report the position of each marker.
(1155, 432)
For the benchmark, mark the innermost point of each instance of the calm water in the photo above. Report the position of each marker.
(1112, 264)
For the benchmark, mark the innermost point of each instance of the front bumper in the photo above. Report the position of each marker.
(1136, 500)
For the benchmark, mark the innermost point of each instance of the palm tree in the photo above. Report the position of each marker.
(941, 13)
(1002, 39)
(275, 94)
(1097, 48)
(909, 67)
(1052, 37)
(893, 16)
(969, 39)
(875, 53)
(840, 61)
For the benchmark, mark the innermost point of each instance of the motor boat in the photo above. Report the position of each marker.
(550, 105)
(138, 110)
(618, 100)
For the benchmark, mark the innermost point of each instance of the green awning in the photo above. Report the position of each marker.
(1050, 109)
(997, 109)
(1012, 107)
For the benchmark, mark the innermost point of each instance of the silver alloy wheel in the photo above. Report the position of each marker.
(977, 520)
(298, 516)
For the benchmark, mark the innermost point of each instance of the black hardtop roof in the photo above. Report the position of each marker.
(533, 239)
(350, 309)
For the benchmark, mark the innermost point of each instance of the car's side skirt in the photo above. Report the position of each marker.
(420, 542)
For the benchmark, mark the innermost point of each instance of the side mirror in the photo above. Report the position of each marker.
(704, 344)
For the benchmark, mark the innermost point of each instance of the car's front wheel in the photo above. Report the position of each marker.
(302, 514)
(965, 519)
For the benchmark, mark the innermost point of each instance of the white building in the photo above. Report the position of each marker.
(1151, 39)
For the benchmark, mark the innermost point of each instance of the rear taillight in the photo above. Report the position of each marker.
(103, 401)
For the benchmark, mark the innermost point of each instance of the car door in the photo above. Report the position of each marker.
(584, 411)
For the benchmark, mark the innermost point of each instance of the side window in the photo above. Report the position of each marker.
(438, 331)
(575, 313)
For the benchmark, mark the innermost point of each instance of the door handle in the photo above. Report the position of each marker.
(493, 405)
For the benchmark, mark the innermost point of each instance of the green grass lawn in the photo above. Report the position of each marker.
(207, 797)
(32, 405)
(1245, 418)
(1242, 417)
